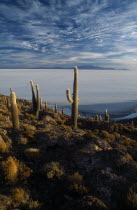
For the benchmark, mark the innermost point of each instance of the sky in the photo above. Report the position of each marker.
(67, 33)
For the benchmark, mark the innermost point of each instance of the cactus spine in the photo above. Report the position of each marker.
(75, 99)
(34, 101)
(14, 111)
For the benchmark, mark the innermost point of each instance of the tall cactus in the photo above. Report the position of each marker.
(34, 101)
(75, 99)
(107, 117)
(14, 111)
(38, 100)
(46, 106)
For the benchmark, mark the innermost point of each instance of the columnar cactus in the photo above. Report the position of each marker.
(107, 118)
(96, 117)
(100, 118)
(46, 106)
(38, 100)
(40, 103)
(34, 101)
(56, 108)
(62, 111)
(75, 99)
(14, 111)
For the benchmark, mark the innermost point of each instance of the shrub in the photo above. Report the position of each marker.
(33, 205)
(19, 196)
(67, 128)
(2, 145)
(75, 178)
(53, 170)
(78, 188)
(10, 169)
(108, 136)
(116, 135)
(90, 135)
(76, 185)
(29, 134)
(15, 170)
(105, 134)
(132, 197)
(23, 171)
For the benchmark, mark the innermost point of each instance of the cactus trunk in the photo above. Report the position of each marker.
(34, 101)
(75, 99)
(38, 101)
(14, 111)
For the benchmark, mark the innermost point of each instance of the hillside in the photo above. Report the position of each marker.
(48, 165)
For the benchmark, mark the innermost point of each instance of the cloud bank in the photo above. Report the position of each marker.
(64, 33)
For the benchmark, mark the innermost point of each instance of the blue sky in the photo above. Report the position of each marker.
(65, 33)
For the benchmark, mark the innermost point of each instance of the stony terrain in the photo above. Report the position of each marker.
(48, 165)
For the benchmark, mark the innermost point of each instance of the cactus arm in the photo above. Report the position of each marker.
(69, 96)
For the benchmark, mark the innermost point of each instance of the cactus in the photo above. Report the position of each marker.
(100, 118)
(14, 111)
(38, 100)
(34, 101)
(96, 117)
(107, 117)
(40, 103)
(75, 99)
(56, 108)
(46, 106)
(62, 111)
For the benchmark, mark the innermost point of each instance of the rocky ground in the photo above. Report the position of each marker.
(48, 165)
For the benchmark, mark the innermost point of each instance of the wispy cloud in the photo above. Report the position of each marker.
(34, 33)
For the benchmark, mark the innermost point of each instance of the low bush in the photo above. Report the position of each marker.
(53, 170)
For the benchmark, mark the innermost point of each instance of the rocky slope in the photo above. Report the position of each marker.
(48, 165)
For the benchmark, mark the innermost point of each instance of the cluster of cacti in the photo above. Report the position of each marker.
(107, 117)
(14, 110)
(37, 104)
(36, 100)
(74, 100)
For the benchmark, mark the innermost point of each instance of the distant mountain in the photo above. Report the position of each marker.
(89, 67)
(84, 67)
